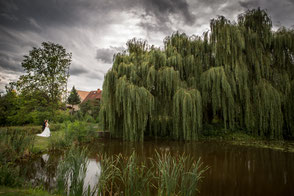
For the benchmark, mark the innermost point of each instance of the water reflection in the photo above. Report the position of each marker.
(92, 175)
(234, 170)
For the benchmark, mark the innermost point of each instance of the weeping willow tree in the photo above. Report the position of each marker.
(269, 117)
(217, 93)
(187, 114)
(240, 72)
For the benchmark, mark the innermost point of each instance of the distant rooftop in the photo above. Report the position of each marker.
(82, 94)
(93, 95)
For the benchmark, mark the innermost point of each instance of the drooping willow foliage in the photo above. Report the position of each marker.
(241, 73)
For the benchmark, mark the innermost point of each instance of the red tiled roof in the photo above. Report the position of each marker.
(83, 94)
(93, 95)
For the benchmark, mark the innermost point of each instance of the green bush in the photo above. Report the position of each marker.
(62, 116)
(79, 131)
(72, 132)
(89, 118)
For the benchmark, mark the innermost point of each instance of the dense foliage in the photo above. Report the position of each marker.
(46, 72)
(38, 94)
(240, 74)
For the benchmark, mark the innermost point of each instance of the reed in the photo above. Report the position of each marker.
(15, 144)
(135, 177)
(71, 172)
(177, 175)
(110, 173)
(162, 175)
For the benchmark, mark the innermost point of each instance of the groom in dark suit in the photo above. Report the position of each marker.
(44, 125)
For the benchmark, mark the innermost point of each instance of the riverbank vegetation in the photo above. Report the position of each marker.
(163, 175)
(20, 145)
(238, 74)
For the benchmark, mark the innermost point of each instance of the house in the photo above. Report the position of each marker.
(82, 94)
(93, 95)
(87, 96)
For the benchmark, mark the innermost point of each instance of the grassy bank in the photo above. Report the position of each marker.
(42, 144)
(241, 138)
(23, 191)
(21, 143)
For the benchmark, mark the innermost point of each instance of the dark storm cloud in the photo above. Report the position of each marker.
(163, 8)
(157, 14)
(36, 14)
(82, 26)
(9, 63)
(33, 14)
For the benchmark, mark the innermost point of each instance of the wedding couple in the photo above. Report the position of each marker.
(46, 130)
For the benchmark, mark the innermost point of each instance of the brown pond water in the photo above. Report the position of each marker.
(234, 170)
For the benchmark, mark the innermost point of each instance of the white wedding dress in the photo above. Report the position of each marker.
(46, 132)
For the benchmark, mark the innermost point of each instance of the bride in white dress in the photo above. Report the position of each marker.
(46, 132)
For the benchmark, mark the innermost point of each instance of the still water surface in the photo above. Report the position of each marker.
(234, 170)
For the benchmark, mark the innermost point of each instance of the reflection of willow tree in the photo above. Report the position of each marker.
(240, 73)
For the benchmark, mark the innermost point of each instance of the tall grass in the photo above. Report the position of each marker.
(14, 145)
(135, 176)
(166, 175)
(71, 172)
(178, 175)
(124, 175)
(110, 173)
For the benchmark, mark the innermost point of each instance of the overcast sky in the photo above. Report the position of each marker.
(93, 30)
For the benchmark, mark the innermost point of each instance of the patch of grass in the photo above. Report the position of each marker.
(31, 129)
(42, 144)
(23, 191)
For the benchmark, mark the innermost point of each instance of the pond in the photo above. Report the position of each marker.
(233, 169)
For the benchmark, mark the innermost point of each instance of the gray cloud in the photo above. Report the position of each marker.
(162, 9)
(76, 70)
(10, 63)
(281, 12)
(249, 4)
(106, 54)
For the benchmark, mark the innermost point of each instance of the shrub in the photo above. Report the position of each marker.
(79, 131)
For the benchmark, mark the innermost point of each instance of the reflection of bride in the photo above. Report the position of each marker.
(46, 132)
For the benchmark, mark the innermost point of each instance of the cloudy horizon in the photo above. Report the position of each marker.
(94, 30)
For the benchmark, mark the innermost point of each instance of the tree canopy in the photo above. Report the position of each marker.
(241, 73)
(47, 72)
